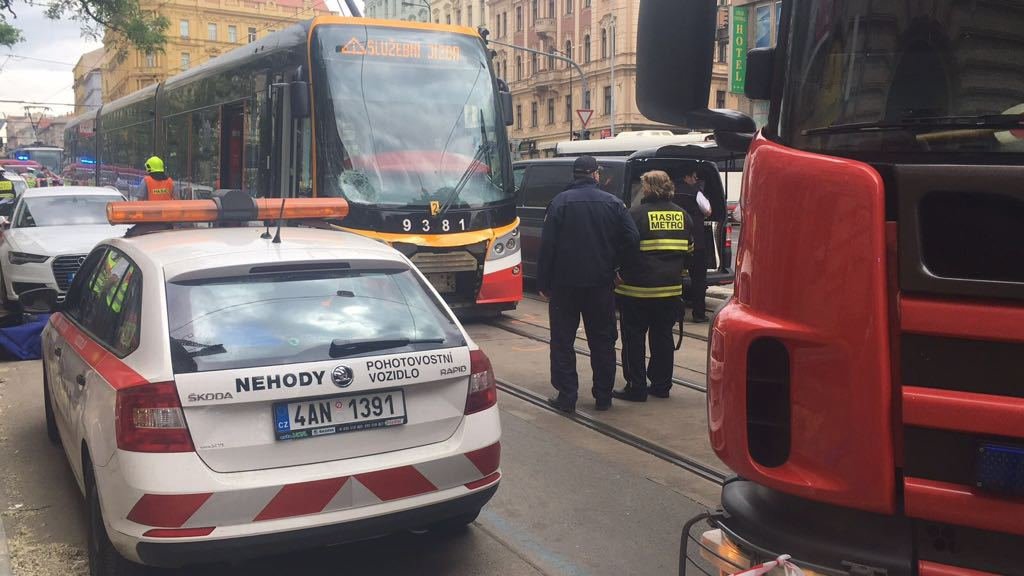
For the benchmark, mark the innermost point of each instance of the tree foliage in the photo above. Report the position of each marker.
(130, 25)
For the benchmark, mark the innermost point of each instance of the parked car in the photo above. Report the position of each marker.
(539, 181)
(48, 236)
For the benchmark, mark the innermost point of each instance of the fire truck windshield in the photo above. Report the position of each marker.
(870, 76)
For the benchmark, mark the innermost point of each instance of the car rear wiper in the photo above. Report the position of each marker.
(200, 349)
(1008, 121)
(341, 348)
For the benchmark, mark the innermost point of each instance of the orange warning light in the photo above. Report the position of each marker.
(171, 211)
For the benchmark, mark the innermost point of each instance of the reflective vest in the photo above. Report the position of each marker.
(103, 275)
(115, 299)
(655, 270)
(158, 189)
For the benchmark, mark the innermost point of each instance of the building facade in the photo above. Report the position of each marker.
(29, 130)
(199, 30)
(88, 84)
(600, 36)
(742, 26)
(411, 10)
(471, 13)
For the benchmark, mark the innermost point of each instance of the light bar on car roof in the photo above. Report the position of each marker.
(230, 208)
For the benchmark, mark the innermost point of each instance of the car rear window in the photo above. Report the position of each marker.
(284, 317)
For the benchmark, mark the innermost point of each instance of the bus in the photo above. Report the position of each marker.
(865, 379)
(49, 156)
(404, 120)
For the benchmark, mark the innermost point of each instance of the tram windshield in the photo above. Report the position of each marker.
(407, 118)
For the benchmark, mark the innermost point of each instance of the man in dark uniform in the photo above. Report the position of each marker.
(650, 291)
(586, 233)
(687, 191)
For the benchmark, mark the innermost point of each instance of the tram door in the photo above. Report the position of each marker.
(232, 127)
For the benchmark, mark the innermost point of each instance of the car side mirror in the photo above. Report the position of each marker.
(505, 100)
(40, 301)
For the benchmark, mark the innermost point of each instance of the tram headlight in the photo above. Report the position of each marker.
(505, 245)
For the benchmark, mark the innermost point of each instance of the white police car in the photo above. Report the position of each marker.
(220, 395)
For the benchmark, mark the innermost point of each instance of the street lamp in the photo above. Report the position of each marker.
(569, 56)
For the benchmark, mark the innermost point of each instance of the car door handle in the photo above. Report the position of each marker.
(56, 352)
(80, 379)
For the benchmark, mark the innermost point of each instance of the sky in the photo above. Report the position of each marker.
(59, 42)
(26, 76)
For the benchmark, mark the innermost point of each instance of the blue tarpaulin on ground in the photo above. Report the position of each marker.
(22, 342)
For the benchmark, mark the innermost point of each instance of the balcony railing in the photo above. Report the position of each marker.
(544, 26)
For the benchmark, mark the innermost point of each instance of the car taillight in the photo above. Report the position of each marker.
(483, 391)
(150, 419)
(728, 236)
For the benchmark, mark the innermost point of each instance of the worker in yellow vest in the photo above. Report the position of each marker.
(157, 185)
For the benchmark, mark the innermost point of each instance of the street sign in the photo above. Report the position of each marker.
(585, 114)
(606, 133)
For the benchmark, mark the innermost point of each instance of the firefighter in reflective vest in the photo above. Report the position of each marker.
(157, 185)
(649, 290)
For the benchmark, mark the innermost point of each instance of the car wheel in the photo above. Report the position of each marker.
(104, 560)
(12, 307)
(51, 422)
(455, 524)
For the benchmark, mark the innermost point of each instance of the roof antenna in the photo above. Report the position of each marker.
(280, 219)
(266, 233)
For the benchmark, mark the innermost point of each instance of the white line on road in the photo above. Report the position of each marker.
(5, 558)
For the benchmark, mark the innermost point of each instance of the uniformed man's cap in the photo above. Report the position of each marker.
(585, 165)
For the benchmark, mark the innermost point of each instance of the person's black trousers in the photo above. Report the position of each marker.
(649, 319)
(597, 308)
(697, 269)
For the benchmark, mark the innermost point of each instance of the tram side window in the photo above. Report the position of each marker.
(175, 156)
(544, 182)
(304, 170)
(256, 114)
(205, 151)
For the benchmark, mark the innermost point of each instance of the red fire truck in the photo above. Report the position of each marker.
(866, 381)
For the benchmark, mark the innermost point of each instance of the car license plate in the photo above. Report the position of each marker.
(334, 415)
(1000, 469)
(443, 282)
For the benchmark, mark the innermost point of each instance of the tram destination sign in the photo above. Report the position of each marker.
(404, 49)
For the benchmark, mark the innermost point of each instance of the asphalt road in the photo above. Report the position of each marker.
(571, 502)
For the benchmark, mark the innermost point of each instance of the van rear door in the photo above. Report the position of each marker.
(541, 183)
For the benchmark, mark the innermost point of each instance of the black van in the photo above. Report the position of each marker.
(539, 181)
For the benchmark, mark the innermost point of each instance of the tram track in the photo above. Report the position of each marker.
(691, 465)
(524, 334)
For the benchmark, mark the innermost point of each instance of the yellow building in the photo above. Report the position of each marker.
(199, 30)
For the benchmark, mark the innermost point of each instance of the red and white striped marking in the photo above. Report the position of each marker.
(472, 470)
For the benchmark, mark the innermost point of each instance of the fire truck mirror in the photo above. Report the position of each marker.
(675, 51)
(760, 66)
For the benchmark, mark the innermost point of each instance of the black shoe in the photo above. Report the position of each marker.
(700, 319)
(628, 395)
(657, 393)
(557, 404)
(603, 405)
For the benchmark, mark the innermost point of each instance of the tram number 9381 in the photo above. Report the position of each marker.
(428, 225)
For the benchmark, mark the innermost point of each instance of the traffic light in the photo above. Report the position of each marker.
(581, 135)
